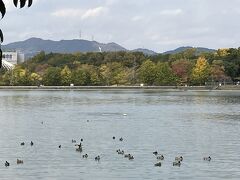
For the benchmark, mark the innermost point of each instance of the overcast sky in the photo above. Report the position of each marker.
(159, 25)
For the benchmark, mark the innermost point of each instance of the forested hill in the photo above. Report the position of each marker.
(199, 50)
(33, 46)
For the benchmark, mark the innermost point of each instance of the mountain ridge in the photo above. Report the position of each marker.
(184, 48)
(33, 46)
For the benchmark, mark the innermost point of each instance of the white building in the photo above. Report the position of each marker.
(13, 57)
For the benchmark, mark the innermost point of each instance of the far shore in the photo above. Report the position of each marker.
(163, 88)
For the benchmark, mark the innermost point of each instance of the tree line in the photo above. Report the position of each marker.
(126, 68)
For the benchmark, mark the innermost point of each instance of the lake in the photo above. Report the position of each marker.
(185, 123)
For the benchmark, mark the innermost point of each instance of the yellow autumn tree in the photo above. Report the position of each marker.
(222, 52)
(66, 76)
(35, 79)
(201, 71)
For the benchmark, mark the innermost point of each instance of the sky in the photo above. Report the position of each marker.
(159, 25)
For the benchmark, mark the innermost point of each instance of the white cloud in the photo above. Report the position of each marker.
(95, 12)
(68, 13)
(171, 12)
(83, 14)
(137, 18)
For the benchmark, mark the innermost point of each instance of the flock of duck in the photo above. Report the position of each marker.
(79, 148)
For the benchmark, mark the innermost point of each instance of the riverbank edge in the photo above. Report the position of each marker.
(164, 88)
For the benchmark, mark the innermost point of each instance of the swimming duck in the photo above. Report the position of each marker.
(114, 138)
(31, 143)
(158, 164)
(7, 164)
(127, 155)
(177, 163)
(121, 152)
(161, 157)
(59, 146)
(85, 156)
(155, 153)
(130, 157)
(19, 161)
(22, 144)
(121, 139)
(81, 140)
(97, 158)
(179, 158)
(207, 158)
(74, 141)
(79, 148)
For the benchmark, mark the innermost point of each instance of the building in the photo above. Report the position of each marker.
(13, 57)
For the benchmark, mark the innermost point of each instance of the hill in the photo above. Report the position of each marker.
(32, 46)
(184, 48)
(145, 51)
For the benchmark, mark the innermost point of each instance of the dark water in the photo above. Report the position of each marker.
(191, 124)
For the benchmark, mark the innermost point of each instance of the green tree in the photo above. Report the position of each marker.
(79, 77)
(19, 77)
(165, 75)
(92, 75)
(52, 77)
(147, 72)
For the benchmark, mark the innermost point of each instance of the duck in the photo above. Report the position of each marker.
(121, 139)
(155, 153)
(131, 157)
(74, 141)
(127, 155)
(97, 158)
(19, 161)
(114, 137)
(177, 163)
(121, 152)
(81, 140)
(85, 156)
(161, 157)
(31, 143)
(158, 164)
(22, 144)
(179, 158)
(60, 146)
(207, 158)
(7, 164)
(79, 148)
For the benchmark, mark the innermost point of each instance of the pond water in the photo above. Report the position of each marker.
(188, 124)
